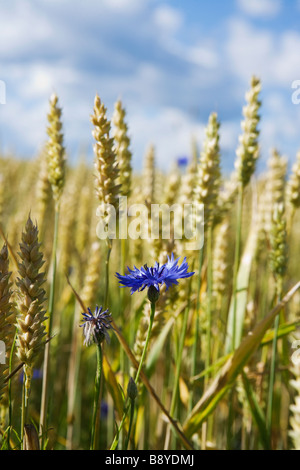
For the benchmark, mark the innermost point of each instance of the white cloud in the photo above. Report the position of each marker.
(22, 28)
(169, 129)
(167, 18)
(263, 8)
(286, 58)
(35, 81)
(276, 105)
(248, 50)
(27, 126)
(274, 58)
(203, 55)
(40, 80)
(124, 6)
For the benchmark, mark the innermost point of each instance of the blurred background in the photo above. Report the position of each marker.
(171, 62)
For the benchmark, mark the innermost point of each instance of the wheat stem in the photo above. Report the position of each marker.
(96, 397)
(46, 371)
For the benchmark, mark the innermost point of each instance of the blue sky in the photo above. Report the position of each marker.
(172, 62)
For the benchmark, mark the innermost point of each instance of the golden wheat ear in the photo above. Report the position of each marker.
(107, 172)
(208, 172)
(122, 143)
(31, 299)
(55, 150)
(248, 149)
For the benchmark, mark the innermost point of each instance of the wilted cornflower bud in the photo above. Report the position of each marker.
(95, 326)
(132, 390)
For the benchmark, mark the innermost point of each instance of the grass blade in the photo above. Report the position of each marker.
(232, 368)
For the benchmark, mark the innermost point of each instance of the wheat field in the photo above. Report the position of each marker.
(209, 363)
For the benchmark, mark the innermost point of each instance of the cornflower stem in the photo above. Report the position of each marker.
(130, 423)
(237, 254)
(45, 386)
(273, 364)
(197, 330)
(96, 397)
(126, 408)
(175, 394)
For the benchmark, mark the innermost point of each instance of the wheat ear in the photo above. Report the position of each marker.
(31, 298)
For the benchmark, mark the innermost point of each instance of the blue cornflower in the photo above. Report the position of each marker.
(182, 161)
(168, 274)
(95, 326)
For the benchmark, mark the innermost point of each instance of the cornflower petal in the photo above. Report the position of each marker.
(168, 274)
(95, 325)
